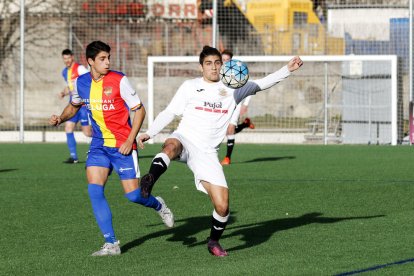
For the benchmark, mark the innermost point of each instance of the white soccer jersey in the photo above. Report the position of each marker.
(206, 108)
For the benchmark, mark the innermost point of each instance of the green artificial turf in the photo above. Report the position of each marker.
(295, 210)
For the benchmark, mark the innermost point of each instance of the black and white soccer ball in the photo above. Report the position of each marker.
(234, 73)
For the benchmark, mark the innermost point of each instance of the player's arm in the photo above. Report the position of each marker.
(175, 108)
(67, 113)
(281, 74)
(162, 120)
(70, 110)
(64, 92)
(270, 80)
(139, 117)
(131, 98)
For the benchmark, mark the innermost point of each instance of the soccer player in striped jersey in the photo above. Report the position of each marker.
(109, 98)
(70, 73)
(205, 105)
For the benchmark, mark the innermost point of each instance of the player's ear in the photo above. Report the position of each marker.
(90, 61)
(201, 68)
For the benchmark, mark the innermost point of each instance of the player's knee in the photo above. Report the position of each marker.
(69, 127)
(88, 134)
(172, 148)
(231, 130)
(222, 209)
(87, 131)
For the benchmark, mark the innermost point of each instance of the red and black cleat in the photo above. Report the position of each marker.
(248, 123)
(215, 249)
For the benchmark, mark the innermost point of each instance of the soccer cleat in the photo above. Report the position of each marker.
(226, 161)
(109, 249)
(165, 213)
(70, 160)
(147, 182)
(215, 248)
(249, 123)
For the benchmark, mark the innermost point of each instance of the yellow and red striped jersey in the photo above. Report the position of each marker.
(109, 101)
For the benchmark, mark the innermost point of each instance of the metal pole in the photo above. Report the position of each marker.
(21, 133)
(118, 51)
(369, 118)
(410, 49)
(325, 131)
(410, 71)
(167, 48)
(214, 42)
(70, 33)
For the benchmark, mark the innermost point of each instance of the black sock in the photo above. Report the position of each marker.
(217, 229)
(240, 127)
(158, 167)
(230, 146)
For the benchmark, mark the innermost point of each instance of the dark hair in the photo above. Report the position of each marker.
(94, 48)
(208, 51)
(227, 52)
(67, 52)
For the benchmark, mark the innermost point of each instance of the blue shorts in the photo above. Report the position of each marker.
(82, 116)
(125, 165)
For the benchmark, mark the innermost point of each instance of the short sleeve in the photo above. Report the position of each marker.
(76, 99)
(129, 95)
(82, 70)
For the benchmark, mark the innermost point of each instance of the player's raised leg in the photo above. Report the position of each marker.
(231, 137)
(171, 149)
(128, 171)
(247, 123)
(231, 140)
(133, 194)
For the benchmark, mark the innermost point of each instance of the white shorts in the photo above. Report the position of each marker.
(234, 120)
(205, 166)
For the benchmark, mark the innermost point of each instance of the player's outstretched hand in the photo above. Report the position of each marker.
(294, 64)
(55, 120)
(143, 138)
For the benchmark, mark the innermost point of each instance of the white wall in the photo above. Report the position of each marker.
(367, 24)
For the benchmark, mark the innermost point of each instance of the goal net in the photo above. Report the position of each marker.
(331, 99)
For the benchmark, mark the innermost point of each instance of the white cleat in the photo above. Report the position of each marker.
(109, 249)
(165, 213)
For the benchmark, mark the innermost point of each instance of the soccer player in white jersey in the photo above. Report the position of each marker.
(234, 126)
(206, 106)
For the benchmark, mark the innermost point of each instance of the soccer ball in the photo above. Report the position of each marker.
(234, 73)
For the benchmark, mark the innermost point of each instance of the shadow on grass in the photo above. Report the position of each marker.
(265, 159)
(258, 233)
(7, 170)
(252, 234)
(180, 233)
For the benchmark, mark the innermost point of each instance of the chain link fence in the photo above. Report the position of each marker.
(138, 29)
